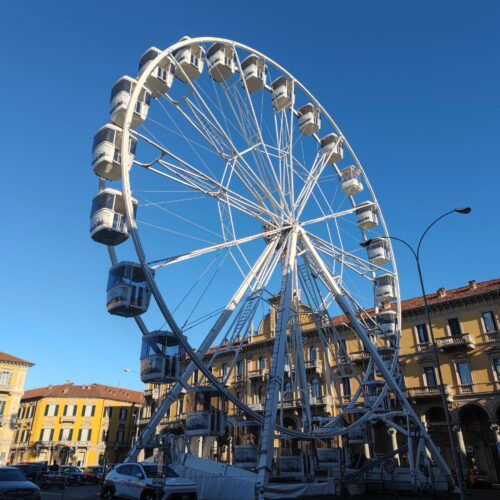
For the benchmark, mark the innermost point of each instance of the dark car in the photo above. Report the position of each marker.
(32, 470)
(478, 479)
(93, 474)
(14, 484)
(72, 474)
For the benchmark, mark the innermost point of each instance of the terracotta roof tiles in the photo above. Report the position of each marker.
(14, 359)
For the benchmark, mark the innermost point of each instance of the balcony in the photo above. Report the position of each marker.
(492, 336)
(67, 419)
(320, 400)
(428, 392)
(315, 365)
(423, 347)
(465, 389)
(455, 342)
(258, 374)
(152, 393)
(291, 403)
(256, 406)
(359, 356)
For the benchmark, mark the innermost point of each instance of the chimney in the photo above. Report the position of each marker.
(442, 292)
(473, 284)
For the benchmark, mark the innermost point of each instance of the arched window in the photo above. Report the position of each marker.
(314, 384)
(262, 363)
(312, 353)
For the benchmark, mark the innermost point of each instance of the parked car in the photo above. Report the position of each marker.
(147, 481)
(478, 479)
(32, 470)
(92, 474)
(14, 484)
(72, 474)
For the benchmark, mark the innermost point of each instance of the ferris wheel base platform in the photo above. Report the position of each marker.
(218, 481)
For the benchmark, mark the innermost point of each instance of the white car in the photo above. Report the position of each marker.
(147, 481)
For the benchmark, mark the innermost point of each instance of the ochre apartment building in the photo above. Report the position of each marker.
(12, 376)
(466, 326)
(75, 424)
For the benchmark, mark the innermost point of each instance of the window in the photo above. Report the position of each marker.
(84, 434)
(24, 437)
(315, 388)
(88, 410)
(260, 394)
(31, 410)
(262, 363)
(20, 412)
(496, 368)
(312, 353)
(288, 391)
(464, 373)
(108, 411)
(195, 376)
(120, 436)
(239, 368)
(124, 469)
(69, 410)
(223, 369)
(46, 434)
(105, 434)
(342, 347)
(490, 324)
(454, 326)
(123, 413)
(2, 407)
(5, 378)
(423, 336)
(346, 386)
(65, 434)
(181, 405)
(51, 410)
(430, 376)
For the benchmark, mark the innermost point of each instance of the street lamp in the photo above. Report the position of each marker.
(416, 254)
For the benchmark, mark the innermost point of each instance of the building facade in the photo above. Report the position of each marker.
(75, 424)
(12, 377)
(466, 327)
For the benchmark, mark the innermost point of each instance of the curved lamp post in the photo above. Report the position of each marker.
(416, 254)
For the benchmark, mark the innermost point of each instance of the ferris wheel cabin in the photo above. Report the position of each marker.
(189, 62)
(128, 294)
(386, 321)
(281, 93)
(331, 147)
(254, 73)
(366, 215)
(351, 184)
(378, 251)
(161, 78)
(161, 358)
(221, 63)
(106, 151)
(309, 119)
(120, 97)
(385, 288)
(204, 419)
(108, 218)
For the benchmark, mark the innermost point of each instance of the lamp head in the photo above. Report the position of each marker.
(463, 210)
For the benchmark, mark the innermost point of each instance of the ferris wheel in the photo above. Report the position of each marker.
(227, 190)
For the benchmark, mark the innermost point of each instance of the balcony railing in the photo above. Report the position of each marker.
(70, 419)
(320, 400)
(256, 406)
(258, 374)
(425, 392)
(314, 364)
(359, 355)
(465, 389)
(455, 341)
(422, 347)
(151, 393)
(491, 336)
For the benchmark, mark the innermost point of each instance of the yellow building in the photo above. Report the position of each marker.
(466, 326)
(12, 376)
(75, 424)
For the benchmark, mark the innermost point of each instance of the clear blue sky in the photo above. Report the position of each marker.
(413, 85)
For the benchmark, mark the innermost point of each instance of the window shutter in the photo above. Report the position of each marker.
(74, 411)
(83, 411)
(70, 437)
(110, 411)
(46, 410)
(56, 411)
(93, 411)
(60, 434)
(41, 435)
(51, 434)
(80, 435)
(65, 411)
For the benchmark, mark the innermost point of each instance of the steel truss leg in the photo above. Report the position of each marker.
(275, 385)
(350, 313)
(172, 395)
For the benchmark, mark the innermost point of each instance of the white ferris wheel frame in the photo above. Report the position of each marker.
(295, 233)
